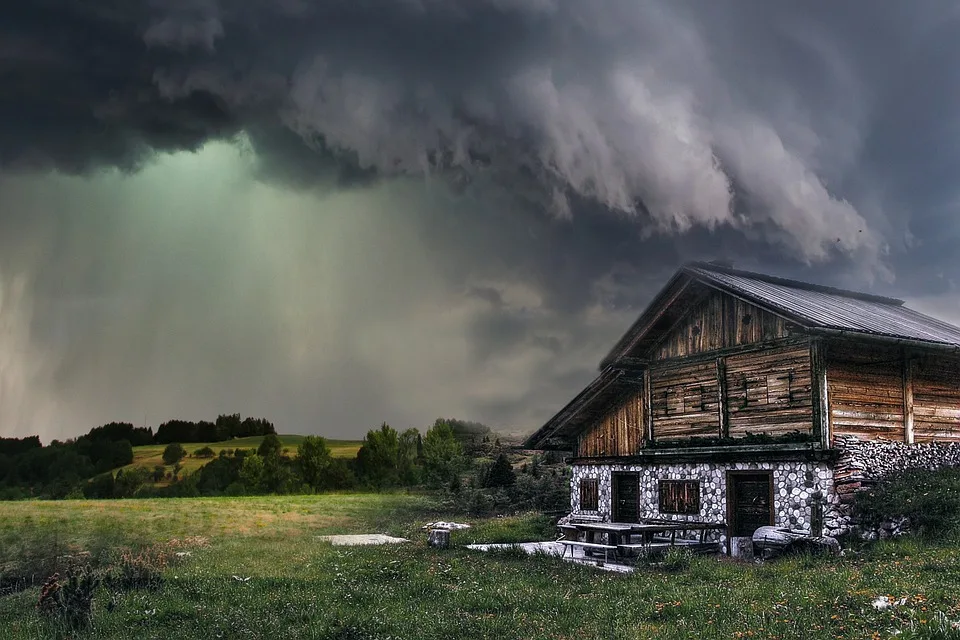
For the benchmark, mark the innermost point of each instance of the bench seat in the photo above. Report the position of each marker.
(588, 545)
(570, 544)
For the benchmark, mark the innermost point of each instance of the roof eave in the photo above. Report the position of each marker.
(640, 327)
(879, 337)
(542, 435)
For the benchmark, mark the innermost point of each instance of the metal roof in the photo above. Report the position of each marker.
(812, 307)
(824, 307)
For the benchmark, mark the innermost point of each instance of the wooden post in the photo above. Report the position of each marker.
(722, 397)
(907, 398)
(821, 403)
(439, 538)
(648, 401)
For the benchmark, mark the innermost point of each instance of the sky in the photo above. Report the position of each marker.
(335, 213)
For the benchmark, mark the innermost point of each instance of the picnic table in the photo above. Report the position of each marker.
(619, 535)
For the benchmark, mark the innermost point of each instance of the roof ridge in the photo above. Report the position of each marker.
(787, 282)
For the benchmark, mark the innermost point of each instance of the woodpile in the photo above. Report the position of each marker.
(863, 462)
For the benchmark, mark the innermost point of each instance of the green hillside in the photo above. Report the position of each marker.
(151, 455)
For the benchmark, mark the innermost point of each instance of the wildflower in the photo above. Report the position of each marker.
(885, 602)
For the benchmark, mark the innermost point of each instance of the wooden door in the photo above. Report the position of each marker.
(749, 502)
(626, 494)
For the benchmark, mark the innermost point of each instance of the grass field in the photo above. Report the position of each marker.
(151, 455)
(262, 573)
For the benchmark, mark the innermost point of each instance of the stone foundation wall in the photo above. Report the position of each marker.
(798, 487)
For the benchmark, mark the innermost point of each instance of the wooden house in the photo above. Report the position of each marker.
(752, 400)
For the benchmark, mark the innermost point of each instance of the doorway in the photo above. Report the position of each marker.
(626, 495)
(749, 502)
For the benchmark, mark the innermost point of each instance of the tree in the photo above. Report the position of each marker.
(204, 452)
(378, 458)
(100, 486)
(500, 473)
(408, 456)
(313, 462)
(251, 472)
(228, 425)
(442, 454)
(128, 482)
(270, 447)
(173, 453)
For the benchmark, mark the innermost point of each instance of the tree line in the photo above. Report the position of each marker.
(463, 462)
(29, 469)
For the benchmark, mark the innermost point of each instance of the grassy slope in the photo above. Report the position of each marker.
(151, 455)
(301, 588)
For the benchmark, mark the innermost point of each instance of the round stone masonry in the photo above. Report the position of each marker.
(797, 486)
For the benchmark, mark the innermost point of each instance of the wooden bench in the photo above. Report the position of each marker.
(645, 548)
(570, 544)
(568, 532)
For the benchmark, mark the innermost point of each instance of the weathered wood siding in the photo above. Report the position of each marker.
(865, 390)
(721, 321)
(619, 433)
(769, 392)
(936, 398)
(684, 400)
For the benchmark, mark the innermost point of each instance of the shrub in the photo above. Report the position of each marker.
(129, 481)
(100, 486)
(677, 559)
(204, 452)
(70, 599)
(500, 474)
(173, 453)
(270, 447)
(929, 500)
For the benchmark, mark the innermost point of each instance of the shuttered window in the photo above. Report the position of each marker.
(589, 494)
(680, 496)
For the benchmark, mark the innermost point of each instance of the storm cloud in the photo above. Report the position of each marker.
(339, 212)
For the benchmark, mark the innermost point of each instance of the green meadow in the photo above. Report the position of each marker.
(253, 567)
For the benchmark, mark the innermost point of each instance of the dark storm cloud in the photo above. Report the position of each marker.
(534, 170)
(760, 116)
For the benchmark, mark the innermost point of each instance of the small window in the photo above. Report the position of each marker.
(589, 494)
(747, 318)
(680, 496)
(781, 388)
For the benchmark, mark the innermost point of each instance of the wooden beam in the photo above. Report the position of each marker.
(630, 362)
(752, 347)
(908, 371)
(722, 397)
(659, 306)
(648, 405)
(819, 391)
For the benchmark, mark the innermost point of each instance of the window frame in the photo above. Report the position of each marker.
(674, 506)
(593, 494)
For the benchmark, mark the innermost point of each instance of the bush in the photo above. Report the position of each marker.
(204, 452)
(70, 599)
(677, 559)
(101, 486)
(929, 500)
(500, 474)
(173, 453)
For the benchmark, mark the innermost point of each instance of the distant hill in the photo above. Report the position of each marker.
(151, 455)
(468, 430)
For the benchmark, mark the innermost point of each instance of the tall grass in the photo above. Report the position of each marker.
(279, 581)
